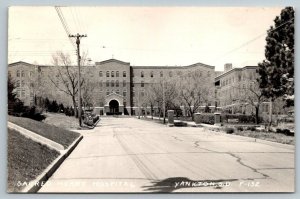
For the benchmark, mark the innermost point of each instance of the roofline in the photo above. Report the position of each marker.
(235, 69)
(19, 62)
(174, 67)
(109, 60)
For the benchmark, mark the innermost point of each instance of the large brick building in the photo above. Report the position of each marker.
(116, 84)
(234, 88)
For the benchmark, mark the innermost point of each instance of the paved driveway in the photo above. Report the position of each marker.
(131, 155)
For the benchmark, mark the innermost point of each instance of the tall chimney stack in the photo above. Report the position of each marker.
(227, 67)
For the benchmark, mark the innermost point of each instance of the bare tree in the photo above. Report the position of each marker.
(251, 94)
(88, 88)
(156, 91)
(150, 98)
(194, 91)
(64, 76)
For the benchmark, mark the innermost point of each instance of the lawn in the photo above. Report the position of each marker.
(59, 135)
(270, 136)
(61, 121)
(26, 159)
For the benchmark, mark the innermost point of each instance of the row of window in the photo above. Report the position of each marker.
(112, 73)
(142, 74)
(20, 93)
(112, 83)
(22, 73)
(116, 83)
(142, 93)
(230, 80)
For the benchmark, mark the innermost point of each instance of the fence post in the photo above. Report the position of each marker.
(170, 117)
(217, 119)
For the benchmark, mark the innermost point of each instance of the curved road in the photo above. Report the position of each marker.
(131, 155)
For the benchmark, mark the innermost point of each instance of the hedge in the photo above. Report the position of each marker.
(205, 118)
(209, 118)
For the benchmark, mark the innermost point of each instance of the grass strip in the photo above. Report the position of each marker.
(26, 160)
(59, 135)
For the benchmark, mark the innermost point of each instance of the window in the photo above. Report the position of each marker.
(132, 85)
(18, 73)
(142, 84)
(22, 74)
(124, 73)
(100, 74)
(251, 86)
(31, 94)
(112, 74)
(151, 74)
(179, 73)
(30, 73)
(142, 74)
(23, 93)
(107, 73)
(31, 85)
(107, 92)
(161, 74)
(22, 83)
(107, 83)
(112, 83)
(170, 74)
(124, 93)
(133, 93)
(239, 78)
(117, 73)
(118, 92)
(18, 83)
(124, 83)
(142, 93)
(117, 83)
(100, 84)
(18, 94)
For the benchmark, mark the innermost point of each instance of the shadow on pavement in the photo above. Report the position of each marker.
(171, 184)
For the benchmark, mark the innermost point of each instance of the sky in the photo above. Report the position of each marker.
(143, 36)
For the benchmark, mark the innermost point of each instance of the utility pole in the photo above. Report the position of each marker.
(139, 108)
(164, 103)
(78, 36)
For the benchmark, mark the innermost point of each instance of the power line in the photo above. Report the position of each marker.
(255, 38)
(64, 23)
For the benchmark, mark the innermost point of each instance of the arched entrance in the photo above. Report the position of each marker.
(114, 107)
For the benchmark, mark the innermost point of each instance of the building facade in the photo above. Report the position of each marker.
(117, 87)
(237, 88)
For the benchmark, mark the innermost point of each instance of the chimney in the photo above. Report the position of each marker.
(227, 67)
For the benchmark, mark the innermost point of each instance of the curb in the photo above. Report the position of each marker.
(36, 137)
(36, 184)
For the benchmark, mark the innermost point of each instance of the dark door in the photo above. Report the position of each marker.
(114, 107)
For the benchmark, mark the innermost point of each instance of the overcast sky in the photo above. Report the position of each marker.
(156, 36)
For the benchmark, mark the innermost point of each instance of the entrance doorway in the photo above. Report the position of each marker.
(114, 107)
